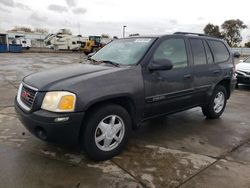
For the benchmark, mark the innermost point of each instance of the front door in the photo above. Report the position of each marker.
(169, 90)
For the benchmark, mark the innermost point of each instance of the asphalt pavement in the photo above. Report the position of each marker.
(180, 150)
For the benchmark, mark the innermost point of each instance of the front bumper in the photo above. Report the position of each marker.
(42, 124)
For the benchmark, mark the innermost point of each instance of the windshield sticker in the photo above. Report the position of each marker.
(143, 40)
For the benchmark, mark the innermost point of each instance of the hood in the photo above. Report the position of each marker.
(243, 67)
(48, 78)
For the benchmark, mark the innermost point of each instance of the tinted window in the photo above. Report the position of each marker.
(198, 50)
(219, 50)
(174, 50)
(210, 58)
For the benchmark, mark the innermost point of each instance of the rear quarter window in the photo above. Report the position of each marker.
(210, 58)
(219, 50)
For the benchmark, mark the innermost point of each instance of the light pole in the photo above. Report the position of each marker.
(124, 27)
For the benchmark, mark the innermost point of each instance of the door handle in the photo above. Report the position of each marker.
(187, 76)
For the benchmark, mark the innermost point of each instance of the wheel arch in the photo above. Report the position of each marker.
(227, 84)
(124, 101)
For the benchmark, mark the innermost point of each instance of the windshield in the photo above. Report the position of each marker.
(124, 51)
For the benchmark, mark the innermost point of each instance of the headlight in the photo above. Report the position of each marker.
(59, 101)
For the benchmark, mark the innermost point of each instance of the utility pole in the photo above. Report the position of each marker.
(124, 27)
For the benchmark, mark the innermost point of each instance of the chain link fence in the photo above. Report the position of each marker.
(242, 51)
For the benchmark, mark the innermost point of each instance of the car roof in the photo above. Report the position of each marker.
(146, 36)
(186, 34)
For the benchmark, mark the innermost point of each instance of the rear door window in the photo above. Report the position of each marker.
(198, 50)
(219, 50)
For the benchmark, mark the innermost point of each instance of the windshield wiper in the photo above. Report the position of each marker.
(111, 62)
(104, 61)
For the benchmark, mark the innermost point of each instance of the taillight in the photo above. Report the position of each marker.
(234, 71)
(234, 68)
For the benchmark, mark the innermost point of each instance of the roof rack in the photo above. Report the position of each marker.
(187, 33)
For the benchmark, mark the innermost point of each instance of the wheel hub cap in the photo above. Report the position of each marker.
(219, 102)
(109, 133)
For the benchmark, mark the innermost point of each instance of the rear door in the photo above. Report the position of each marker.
(207, 57)
(203, 68)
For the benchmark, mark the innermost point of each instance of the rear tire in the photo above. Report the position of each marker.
(217, 103)
(106, 132)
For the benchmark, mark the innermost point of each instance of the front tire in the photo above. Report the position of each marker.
(106, 132)
(217, 103)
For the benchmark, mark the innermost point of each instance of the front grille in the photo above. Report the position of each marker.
(27, 96)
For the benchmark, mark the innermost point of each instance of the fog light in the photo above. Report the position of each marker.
(41, 133)
(61, 119)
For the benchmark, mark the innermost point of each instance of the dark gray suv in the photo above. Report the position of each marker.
(97, 103)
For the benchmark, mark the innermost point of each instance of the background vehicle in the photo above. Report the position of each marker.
(243, 71)
(26, 43)
(94, 43)
(131, 80)
(64, 40)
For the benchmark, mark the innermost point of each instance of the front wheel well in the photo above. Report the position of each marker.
(125, 102)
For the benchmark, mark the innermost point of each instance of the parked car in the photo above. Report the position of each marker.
(243, 71)
(97, 103)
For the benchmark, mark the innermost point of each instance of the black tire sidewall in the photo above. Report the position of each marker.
(88, 135)
(209, 109)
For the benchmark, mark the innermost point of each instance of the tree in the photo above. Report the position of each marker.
(41, 30)
(212, 30)
(231, 31)
(247, 44)
(22, 28)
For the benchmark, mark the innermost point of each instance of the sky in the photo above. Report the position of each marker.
(95, 17)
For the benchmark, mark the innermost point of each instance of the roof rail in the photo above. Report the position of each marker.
(188, 33)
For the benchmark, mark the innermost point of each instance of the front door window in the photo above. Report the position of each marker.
(174, 50)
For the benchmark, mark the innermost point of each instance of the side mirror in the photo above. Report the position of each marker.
(236, 54)
(160, 65)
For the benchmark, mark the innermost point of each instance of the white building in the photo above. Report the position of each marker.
(37, 39)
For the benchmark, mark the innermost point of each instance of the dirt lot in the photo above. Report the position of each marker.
(181, 150)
